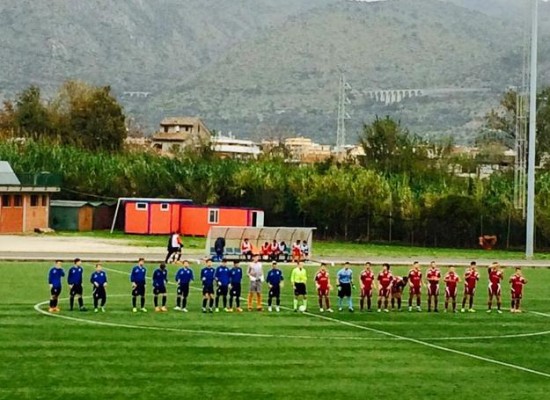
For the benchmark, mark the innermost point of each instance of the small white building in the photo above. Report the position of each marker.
(228, 146)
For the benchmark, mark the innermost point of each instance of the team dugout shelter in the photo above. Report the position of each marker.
(257, 236)
(151, 216)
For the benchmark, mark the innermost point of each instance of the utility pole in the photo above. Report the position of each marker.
(343, 100)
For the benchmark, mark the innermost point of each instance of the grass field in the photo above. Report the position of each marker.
(255, 355)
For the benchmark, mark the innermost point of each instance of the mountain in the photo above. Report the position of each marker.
(269, 67)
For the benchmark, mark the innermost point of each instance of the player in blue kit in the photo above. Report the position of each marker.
(55, 276)
(160, 277)
(184, 276)
(222, 277)
(74, 279)
(137, 277)
(99, 282)
(275, 281)
(235, 280)
(207, 278)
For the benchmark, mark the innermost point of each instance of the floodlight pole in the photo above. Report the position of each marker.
(530, 229)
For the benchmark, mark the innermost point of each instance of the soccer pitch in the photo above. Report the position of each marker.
(253, 355)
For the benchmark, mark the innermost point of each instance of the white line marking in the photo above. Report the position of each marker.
(539, 313)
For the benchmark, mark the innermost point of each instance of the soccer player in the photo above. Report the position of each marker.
(275, 250)
(344, 283)
(397, 288)
(470, 281)
(297, 251)
(184, 276)
(256, 274)
(222, 277)
(160, 278)
(137, 277)
(265, 251)
(433, 276)
(385, 280)
(246, 249)
(322, 282)
(495, 277)
(517, 281)
(54, 280)
(298, 278)
(207, 278)
(174, 247)
(275, 281)
(99, 283)
(451, 288)
(74, 279)
(415, 285)
(367, 283)
(236, 277)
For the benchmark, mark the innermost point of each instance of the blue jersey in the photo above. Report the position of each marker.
(223, 275)
(55, 276)
(160, 277)
(138, 274)
(344, 275)
(235, 275)
(184, 276)
(207, 276)
(99, 277)
(274, 277)
(75, 275)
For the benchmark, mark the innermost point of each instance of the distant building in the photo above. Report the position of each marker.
(25, 199)
(179, 133)
(229, 147)
(304, 150)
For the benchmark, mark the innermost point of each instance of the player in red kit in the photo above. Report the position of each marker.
(451, 288)
(385, 280)
(470, 281)
(415, 285)
(495, 277)
(517, 281)
(367, 282)
(433, 276)
(322, 283)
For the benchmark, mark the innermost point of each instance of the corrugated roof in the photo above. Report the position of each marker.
(68, 203)
(180, 121)
(7, 176)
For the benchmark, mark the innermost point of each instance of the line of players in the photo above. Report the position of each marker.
(228, 281)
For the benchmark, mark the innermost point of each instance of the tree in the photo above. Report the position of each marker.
(31, 117)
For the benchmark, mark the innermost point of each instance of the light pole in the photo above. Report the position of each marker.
(530, 230)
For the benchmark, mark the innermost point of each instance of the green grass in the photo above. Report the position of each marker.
(301, 356)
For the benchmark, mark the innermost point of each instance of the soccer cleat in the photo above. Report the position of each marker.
(210, 310)
(102, 309)
(329, 310)
(51, 309)
(410, 308)
(445, 310)
(269, 309)
(57, 309)
(163, 309)
(340, 308)
(499, 311)
(386, 310)
(278, 309)
(249, 309)
(204, 310)
(350, 309)
(217, 309)
(83, 308)
(239, 309)
(227, 310)
(462, 310)
(184, 309)
(471, 310)
(134, 309)
(489, 311)
(295, 310)
(96, 310)
(418, 309)
(157, 309)
(143, 309)
(455, 311)
(436, 310)
(259, 309)
(379, 310)
(321, 310)
(176, 308)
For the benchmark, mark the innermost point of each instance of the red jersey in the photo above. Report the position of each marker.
(451, 280)
(266, 249)
(495, 277)
(517, 282)
(415, 278)
(367, 278)
(470, 279)
(246, 246)
(433, 276)
(322, 279)
(296, 249)
(385, 279)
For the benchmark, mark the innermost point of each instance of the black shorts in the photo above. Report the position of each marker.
(208, 289)
(275, 291)
(76, 289)
(345, 290)
(99, 292)
(139, 290)
(55, 291)
(159, 290)
(222, 290)
(300, 289)
(183, 290)
(172, 250)
(235, 290)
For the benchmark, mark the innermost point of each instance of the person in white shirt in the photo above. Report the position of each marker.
(174, 247)
(256, 274)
